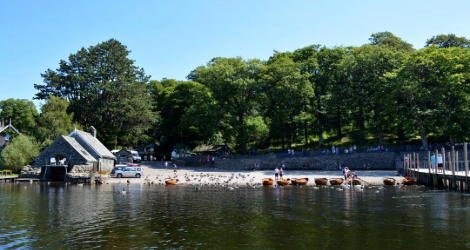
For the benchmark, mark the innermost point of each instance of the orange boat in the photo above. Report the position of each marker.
(299, 181)
(409, 181)
(390, 181)
(283, 182)
(336, 181)
(171, 181)
(321, 181)
(268, 181)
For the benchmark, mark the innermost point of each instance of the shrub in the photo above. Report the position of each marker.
(19, 153)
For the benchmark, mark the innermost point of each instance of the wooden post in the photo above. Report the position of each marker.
(453, 168)
(404, 164)
(466, 165)
(444, 166)
(429, 167)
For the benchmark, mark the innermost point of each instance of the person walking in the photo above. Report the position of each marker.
(276, 174)
(174, 169)
(439, 163)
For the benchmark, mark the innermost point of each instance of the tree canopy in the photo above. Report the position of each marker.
(105, 90)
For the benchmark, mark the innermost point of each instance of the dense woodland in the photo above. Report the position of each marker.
(382, 92)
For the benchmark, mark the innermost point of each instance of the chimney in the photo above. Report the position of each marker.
(92, 131)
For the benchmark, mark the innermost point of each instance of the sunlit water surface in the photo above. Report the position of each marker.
(59, 216)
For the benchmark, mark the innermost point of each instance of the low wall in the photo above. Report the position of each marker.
(357, 161)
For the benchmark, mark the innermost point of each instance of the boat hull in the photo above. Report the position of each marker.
(299, 181)
(409, 181)
(390, 181)
(336, 181)
(171, 181)
(268, 182)
(321, 181)
(283, 182)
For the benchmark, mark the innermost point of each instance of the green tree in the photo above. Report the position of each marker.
(365, 66)
(286, 94)
(234, 84)
(447, 41)
(433, 84)
(389, 39)
(105, 89)
(54, 119)
(21, 152)
(22, 112)
(187, 110)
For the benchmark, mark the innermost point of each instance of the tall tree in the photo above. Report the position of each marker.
(287, 92)
(234, 85)
(22, 112)
(434, 84)
(54, 119)
(187, 110)
(389, 39)
(105, 89)
(447, 41)
(365, 66)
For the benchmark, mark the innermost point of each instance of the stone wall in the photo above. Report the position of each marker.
(358, 161)
(59, 146)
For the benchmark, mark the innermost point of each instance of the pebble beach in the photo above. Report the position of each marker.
(157, 174)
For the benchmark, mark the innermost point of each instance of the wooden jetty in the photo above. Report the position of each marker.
(454, 173)
(7, 176)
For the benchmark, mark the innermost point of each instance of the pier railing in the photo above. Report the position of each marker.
(444, 169)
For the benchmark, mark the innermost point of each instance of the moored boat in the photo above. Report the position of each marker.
(409, 181)
(321, 181)
(355, 182)
(336, 181)
(390, 181)
(171, 181)
(268, 181)
(283, 182)
(299, 181)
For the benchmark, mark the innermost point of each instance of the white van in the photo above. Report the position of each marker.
(135, 156)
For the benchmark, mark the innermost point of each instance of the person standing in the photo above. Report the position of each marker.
(166, 165)
(433, 161)
(174, 169)
(439, 163)
(276, 174)
(281, 173)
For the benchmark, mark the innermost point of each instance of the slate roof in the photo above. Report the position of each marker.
(94, 143)
(82, 151)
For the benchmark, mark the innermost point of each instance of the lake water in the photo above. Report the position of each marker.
(56, 216)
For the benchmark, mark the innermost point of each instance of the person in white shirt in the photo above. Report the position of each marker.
(276, 174)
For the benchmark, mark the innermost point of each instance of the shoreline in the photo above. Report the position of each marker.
(213, 176)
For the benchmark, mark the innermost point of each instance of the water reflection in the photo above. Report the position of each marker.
(59, 216)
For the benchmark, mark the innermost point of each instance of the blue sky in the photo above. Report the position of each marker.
(171, 38)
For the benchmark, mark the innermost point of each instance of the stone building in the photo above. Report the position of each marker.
(6, 133)
(79, 152)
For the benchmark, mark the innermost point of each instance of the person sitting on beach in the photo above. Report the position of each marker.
(354, 176)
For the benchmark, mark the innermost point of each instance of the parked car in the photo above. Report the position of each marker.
(127, 172)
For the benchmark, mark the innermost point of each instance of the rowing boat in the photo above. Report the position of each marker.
(336, 181)
(321, 181)
(268, 181)
(299, 181)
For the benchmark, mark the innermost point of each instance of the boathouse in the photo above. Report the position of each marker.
(79, 152)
